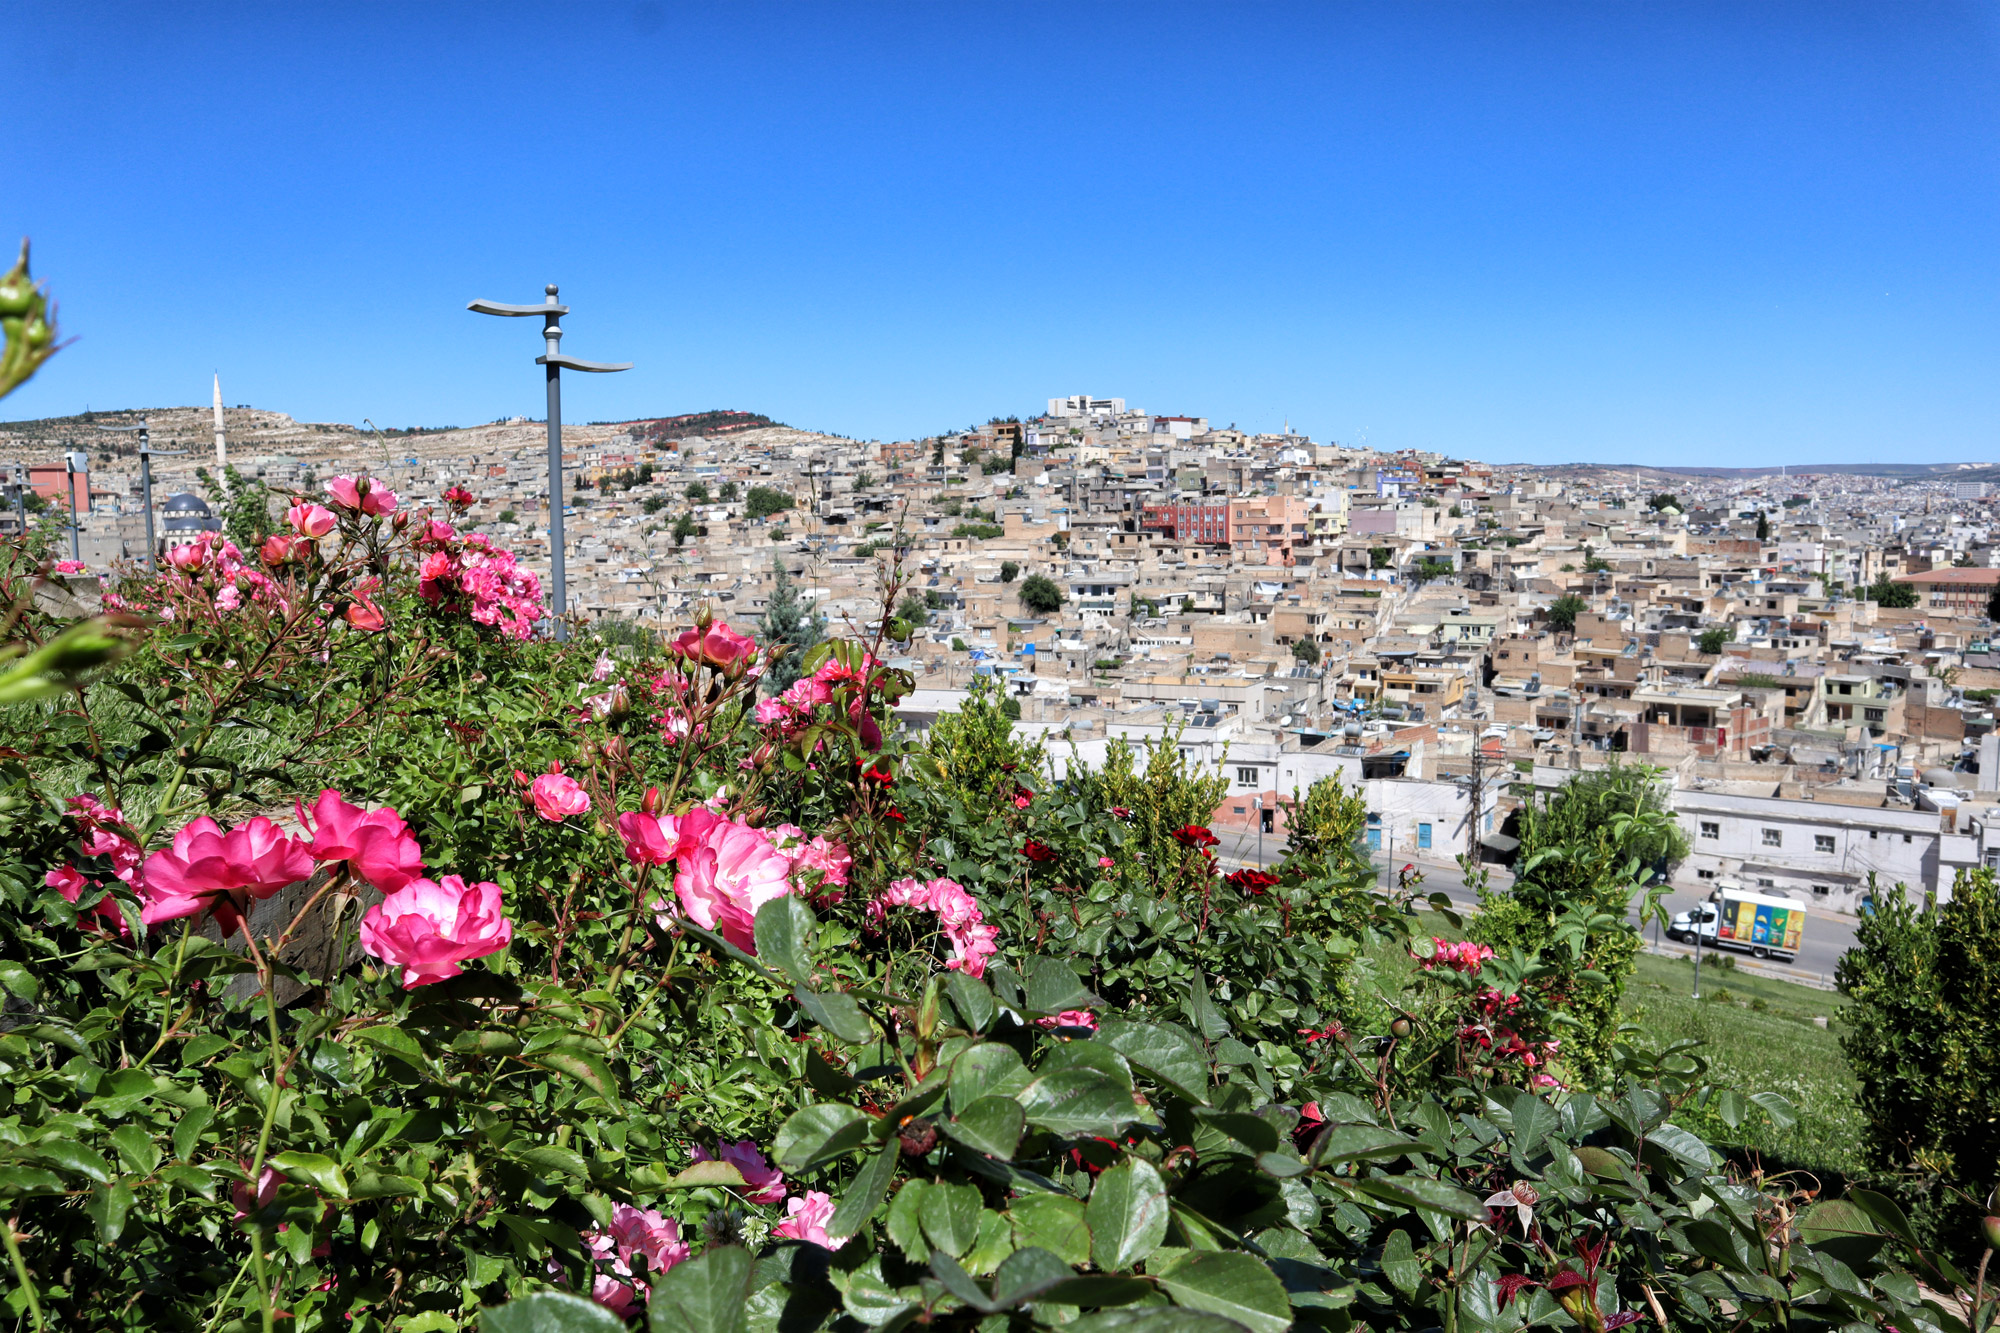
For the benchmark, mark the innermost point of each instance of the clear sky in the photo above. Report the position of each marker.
(1738, 233)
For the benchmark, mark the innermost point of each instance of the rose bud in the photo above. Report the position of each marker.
(1991, 1226)
(651, 801)
(615, 749)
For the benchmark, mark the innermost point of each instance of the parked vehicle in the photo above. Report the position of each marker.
(1760, 924)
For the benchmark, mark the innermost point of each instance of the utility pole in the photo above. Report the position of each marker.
(146, 455)
(554, 361)
(75, 461)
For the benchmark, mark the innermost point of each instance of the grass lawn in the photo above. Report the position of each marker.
(1758, 1035)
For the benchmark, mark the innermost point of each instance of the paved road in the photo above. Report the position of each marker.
(1827, 937)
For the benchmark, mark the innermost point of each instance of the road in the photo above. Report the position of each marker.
(1827, 937)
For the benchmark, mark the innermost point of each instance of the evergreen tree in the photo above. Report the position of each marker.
(787, 619)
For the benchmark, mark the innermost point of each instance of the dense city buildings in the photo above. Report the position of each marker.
(1807, 658)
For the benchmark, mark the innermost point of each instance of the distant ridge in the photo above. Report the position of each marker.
(720, 421)
(1908, 471)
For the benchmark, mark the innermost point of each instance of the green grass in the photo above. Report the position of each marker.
(1777, 1048)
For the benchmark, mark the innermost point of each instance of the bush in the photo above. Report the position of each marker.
(1564, 611)
(1715, 638)
(1009, 571)
(1886, 592)
(1923, 1040)
(755, 1012)
(763, 501)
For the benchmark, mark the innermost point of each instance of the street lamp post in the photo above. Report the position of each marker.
(554, 361)
(1257, 808)
(75, 461)
(146, 456)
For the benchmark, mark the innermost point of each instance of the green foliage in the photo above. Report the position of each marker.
(696, 492)
(1923, 1041)
(1429, 569)
(1305, 650)
(509, 516)
(913, 611)
(245, 503)
(1887, 592)
(1380, 557)
(763, 501)
(1715, 638)
(979, 531)
(616, 632)
(1665, 500)
(652, 504)
(1564, 611)
(1324, 827)
(27, 326)
(1144, 608)
(1763, 527)
(976, 752)
(1040, 594)
(684, 528)
(1594, 563)
(862, 481)
(1009, 571)
(729, 492)
(1993, 603)
(1759, 680)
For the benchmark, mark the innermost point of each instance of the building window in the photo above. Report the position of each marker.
(1710, 831)
(1823, 842)
(1767, 883)
(1704, 874)
(1773, 838)
(1247, 776)
(1424, 837)
(1821, 890)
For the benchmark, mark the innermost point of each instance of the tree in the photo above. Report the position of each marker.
(684, 528)
(245, 505)
(1378, 557)
(764, 501)
(1305, 650)
(1665, 500)
(1896, 596)
(697, 492)
(1594, 563)
(1040, 594)
(1763, 526)
(1714, 638)
(788, 620)
(1430, 568)
(912, 611)
(1925, 981)
(652, 504)
(1009, 571)
(1144, 608)
(508, 516)
(1564, 611)
(862, 481)
(729, 492)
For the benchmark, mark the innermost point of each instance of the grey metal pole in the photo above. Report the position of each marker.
(552, 330)
(146, 486)
(75, 534)
(1698, 923)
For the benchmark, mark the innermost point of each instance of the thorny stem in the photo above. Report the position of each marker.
(265, 976)
(28, 1282)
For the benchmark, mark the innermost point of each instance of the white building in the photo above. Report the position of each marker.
(1820, 850)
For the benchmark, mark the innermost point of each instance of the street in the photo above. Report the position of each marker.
(1827, 937)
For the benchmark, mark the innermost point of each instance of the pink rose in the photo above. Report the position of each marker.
(70, 883)
(721, 647)
(207, 869)
(806, 1219)
(726, 871)
(428, 928)
(69, 566)
(312, 520)
(376, 844)
(972, 940)
(557, 796)
(248, 1203)
(187, 559)
(1105, 863)
(649, 840)
(1070, 1018)
(633, 1231)
(766, 1183)
(365, 494)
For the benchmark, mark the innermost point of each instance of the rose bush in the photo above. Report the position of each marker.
(323, 1015)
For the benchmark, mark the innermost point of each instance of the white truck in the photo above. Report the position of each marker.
(1760, 924)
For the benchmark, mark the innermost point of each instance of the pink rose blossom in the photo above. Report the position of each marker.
(1105, 863)
(376, 844)
(367, 495)
(770, 711)
(633, 1231)
(557, 796)
(69, 566)
(70, 883)
(92, 816)
(428, 928)
(721, 647)
(1070, 1018)
(649, 840)
(310, 520)
(766, 1184)
(186, 558)
(958, 914)
(267, 1189)
(208, 869)
(806, 1218)
(726, 870)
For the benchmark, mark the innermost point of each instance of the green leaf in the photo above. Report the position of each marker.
(188, 1132)
(1051, 1222)
(1685, 1148)
(1783, 1114)
(555, 1161)
(1026, 1274)
(973, 1000)
(837, 1012)
(1052, 986)
(949, 1215)
(1229, 1283)
(864, 1194)
(705, 1175)
(396, 1042)
(824, 1078)
(550, 1312)
(704, 1295)
(1399, 1263)
(1167, 1051)
(1423, 1192)
(991, 1125)
(74, 1157)
(1730, 1105)
(1533, 1120)
(588, 1070)
(904, 1224)
(1127, 1215)
(1079, 1101)
(1887, 1212)
(311, 1168)
(784, 925)
(136, 1149)
(822, 1131)
(958, 1282)
(1203, 1014)
(192, 1179)
(16, 1180)
(1360, 1143)
(109, 1205)
(1833, 1218)
(988, 1069)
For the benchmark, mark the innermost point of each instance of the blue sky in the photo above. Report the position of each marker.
(1684, 233)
